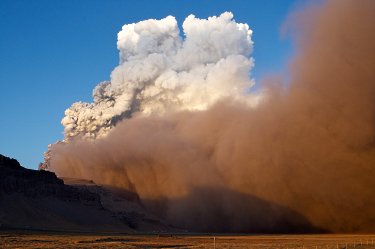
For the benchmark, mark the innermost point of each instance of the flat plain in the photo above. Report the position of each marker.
(43, 240)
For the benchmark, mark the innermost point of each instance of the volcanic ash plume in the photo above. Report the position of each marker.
(301, 160)
(160, 71)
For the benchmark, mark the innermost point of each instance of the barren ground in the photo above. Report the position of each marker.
(55, 241)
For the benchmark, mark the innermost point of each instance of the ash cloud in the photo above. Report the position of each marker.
(301, 158)
(160, 71)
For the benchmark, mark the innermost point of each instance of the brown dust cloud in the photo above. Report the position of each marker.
(302, 160)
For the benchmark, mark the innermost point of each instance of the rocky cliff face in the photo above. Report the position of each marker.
(38, 199)
(32, 183)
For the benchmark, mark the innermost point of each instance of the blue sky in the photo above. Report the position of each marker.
(53, 53)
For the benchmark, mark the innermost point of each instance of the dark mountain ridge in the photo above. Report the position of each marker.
(38, 199)
(33, 183)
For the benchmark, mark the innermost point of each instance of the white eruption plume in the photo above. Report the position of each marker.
(161, 71)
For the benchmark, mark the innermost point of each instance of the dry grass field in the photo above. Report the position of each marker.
(56, 241)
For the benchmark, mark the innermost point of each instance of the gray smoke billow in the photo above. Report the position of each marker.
(205, 155)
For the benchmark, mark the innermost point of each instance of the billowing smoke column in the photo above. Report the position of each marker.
(160, 71)
(303, 159)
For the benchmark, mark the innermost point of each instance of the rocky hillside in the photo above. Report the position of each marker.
(32, 183)
(31, 199)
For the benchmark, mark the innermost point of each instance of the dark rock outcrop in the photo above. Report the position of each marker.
(33, 183)
(31, 199)
(38, 199)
